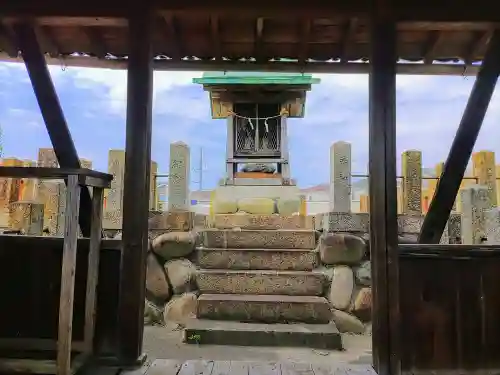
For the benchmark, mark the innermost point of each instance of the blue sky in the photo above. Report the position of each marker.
(428, 112)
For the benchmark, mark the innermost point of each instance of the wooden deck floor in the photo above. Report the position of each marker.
(203, 367)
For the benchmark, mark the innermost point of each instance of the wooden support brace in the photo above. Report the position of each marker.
(462, 146)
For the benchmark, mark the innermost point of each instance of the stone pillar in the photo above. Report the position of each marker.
(412, 182)
(475, 200)
(179, 177)
(113, 211)
(153, 195)
(10, 189)
(492, 226)
(26, 217)
(340, 177)
(364, 203)
(51, 194)
(399, 198)
(483, 168)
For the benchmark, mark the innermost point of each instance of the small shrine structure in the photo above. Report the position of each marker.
(257, 107)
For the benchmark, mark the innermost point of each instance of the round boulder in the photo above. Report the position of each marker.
(174, 244)
(287, 207)
(362, 306)
(180, 308)
(341, 248)
(152, 314)
(342, 287)
(181, 273)
(346, 322)
(156, 280)
(364, 274)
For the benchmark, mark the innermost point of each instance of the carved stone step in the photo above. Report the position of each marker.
(317, 336)
(264, 308)
(258, 259)
(291, 283)
(255, 239)
(263, 222)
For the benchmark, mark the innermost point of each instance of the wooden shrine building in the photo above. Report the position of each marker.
(436, 307)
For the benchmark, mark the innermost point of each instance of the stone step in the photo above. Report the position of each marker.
(258, 259)
(256, 239)
(316, 336)
(263, 222)
(291, 283)
(264, 308)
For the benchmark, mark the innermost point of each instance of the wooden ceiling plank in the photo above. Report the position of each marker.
(348, 33)
(215, 36)
(174, 35)
(7, 41)
(479, 40)
(96, 41)
(304, 37)
(430, 48)
(259, 42)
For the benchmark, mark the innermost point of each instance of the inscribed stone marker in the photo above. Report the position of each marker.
(475, 200)
(340, 177)
(411, 162)
(483, 168)
(179, 177)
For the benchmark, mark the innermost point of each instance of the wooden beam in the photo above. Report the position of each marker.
(275, 66)
(431, 44)
(259, 43)
(7, 41)
(48, 40)
(215, 37)
(463, 144)
(480, 39)
(174, 36)
(52, 112)
(136, 182)
(383, 202)
(349, 30)
(96, 41)
(304, 36)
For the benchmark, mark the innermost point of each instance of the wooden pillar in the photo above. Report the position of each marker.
(52, 112)
(136, 185)
(383, 198)
(463, 144)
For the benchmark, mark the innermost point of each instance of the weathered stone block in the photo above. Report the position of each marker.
(271, 239)
(264, 308)
(475, 200)
(26, 217)
(181, 221)
(362, 305)
(258, 259)
(156, 281)
(346, 322)
(364, 274)
(492, 226)
(287, 207)
(174, 245)
(257, 206)
(411, 162)
(292, 283)
(346, 222)
(483, 168)
(342, 287)
(179, 177)
(340, 177)
(181, 274)
(268, 222)
(181, 309)
(341, 248)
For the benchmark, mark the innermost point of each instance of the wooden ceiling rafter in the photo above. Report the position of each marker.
(215, 36)
(348, 32)
(174, 35)
(304, 37)
(479, 41)
(8, 40)
(259, 40)
(96, 41)
(47, 37)
(431, 45)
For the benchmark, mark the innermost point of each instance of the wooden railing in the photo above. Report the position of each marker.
(29, 249)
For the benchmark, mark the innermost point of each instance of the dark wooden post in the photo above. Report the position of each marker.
(383, 202)
(136, 181)
(52, 112)
(463, 144)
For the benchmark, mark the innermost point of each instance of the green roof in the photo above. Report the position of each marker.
(255, 78)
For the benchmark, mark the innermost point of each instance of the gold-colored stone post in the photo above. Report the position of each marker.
(483, 168)
(412, 182)
(364, 203)
(10, 189)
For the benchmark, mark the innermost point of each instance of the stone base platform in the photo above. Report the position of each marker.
(232, 193)
(264, 308)
(317, 336)
(262, 222)
(263, 239)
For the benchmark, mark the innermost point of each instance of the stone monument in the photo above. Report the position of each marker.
(257, 107)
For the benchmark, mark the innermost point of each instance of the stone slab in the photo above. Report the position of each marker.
(258, 259)
(264, 308)
(268, 222)
(290, 283)
(179, 221)
(316, 336)
(268, 239)
(26, 217)
(234, 193)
